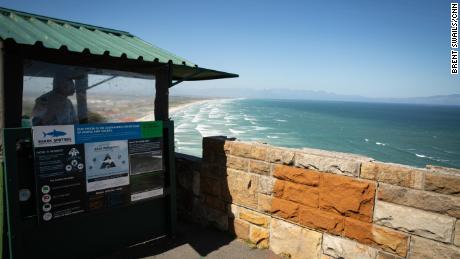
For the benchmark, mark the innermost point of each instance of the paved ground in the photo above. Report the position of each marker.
(193, 241)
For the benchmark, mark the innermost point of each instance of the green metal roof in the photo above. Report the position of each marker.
(30, 29)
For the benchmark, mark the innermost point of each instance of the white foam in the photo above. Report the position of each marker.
(259, 128)
(206, 131)
(268, 136)
(247, 118)
(431, 158)
(237, 131)
(281, 120)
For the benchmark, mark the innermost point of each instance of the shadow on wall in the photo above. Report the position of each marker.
(202, 191)
(203, 195)
(200, 210)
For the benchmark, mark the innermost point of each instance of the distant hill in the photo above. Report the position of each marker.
(453, 99)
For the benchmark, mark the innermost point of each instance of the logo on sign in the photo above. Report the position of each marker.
(53, 135)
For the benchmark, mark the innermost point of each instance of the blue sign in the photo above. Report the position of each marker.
(85, 133)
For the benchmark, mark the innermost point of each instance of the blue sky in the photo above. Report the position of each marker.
(370, 48)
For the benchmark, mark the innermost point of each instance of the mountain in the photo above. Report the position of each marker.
(453, 99)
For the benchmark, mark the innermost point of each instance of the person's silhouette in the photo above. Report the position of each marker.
(54, 108)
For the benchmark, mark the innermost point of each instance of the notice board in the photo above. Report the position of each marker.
(90, 167)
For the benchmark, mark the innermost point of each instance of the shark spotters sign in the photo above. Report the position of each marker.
(58, 135)
(88, 167)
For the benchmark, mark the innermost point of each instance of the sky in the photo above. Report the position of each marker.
(369, 48)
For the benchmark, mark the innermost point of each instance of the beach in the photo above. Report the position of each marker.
(177, 104)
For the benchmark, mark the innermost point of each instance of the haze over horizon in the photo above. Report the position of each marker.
(374, 49)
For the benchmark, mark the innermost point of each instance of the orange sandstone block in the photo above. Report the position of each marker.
(278, 188)
(347, 196)
(297, 175)
(317, 219)
(386, 239)
(285, 209)
(301, 194)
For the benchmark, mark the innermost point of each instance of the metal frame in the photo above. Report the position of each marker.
(157, 215)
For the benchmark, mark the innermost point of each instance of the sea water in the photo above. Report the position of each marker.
(400, 133)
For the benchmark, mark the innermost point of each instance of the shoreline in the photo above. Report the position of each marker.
(176, 108)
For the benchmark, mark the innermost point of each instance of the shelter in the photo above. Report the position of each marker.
(35, 49)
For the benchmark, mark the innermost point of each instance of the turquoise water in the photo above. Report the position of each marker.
(408, 134)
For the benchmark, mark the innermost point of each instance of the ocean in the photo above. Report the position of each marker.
(414, 135)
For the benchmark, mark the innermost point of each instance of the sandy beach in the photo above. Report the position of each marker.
(176, 107)
(179, 107)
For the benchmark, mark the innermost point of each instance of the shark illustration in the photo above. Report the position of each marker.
(54, 133)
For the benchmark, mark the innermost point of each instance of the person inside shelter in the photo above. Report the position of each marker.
(54, 107)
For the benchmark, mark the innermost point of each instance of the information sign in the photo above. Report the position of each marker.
(88, 167)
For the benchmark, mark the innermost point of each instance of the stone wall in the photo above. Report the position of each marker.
(316, 204)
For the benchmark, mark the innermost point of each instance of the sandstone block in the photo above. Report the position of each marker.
(240, 228)
(414, 221)
(237, 163)
(328, 164)
(210, 186)
(297, 175)
(281, 156)
(294, 241)
(439, 203)
(255, 218)
(443, 183)
(278, 188)
(383, 255)
(259, 236)
(457, 233)
(259, 152)
(442, 169)
(393, 174)
(322, 152)
(422, 248)
(321, 220)
(241, 188)
(386, 239)
(259, 167)
(264, 203)
(302, 194)
(338, 247)
(285, 209)
(265, 185)
(240, 149)
(347, 196)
